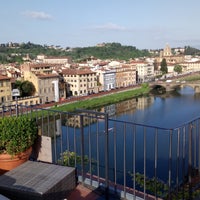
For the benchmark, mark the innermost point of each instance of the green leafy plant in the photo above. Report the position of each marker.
(151, 184)
(17, 134)
(69, 158)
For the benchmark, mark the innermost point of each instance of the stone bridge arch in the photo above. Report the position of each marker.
(170, 86)
(194, 86)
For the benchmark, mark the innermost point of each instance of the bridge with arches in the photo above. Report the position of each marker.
(173, 85)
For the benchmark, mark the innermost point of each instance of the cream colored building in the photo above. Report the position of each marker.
(26, 101)
(145, 71)
(37, 68)
(190, 66)
(53, 60)
(46, 86)
(5, 90)
(80, 82)
(125, 75)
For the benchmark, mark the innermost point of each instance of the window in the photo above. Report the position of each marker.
(2, 99)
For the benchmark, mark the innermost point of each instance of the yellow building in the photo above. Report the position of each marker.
(37, 68)
(46, 86)
(5, 90)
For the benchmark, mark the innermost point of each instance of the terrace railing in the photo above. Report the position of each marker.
(132, 160)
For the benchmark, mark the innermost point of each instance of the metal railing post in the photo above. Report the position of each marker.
(190, 160)
(144, 143)
(170, 165)
(198, 133)
(82, 148)
(178, 160)
(155, 160)
(124, 156)
(106, 157)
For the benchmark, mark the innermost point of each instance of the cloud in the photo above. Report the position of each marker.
(37, 15)
(110, 26)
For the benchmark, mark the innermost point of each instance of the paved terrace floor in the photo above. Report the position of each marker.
(81, 192)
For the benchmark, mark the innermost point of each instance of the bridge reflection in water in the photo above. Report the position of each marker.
(131, 159)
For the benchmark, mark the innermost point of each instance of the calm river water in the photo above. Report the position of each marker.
(167, 111)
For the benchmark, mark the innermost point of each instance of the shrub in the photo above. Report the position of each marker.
(17, 134)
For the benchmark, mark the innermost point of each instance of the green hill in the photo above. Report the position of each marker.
(107, 51)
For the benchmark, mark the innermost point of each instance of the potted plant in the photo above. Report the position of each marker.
(17, 135)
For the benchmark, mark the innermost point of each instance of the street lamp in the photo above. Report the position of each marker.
(16, 93)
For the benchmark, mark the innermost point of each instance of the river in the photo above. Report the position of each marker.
(166, 111)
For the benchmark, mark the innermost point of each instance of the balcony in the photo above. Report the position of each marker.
(128, 160)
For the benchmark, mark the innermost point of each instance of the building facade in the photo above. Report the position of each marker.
(46, 86)
(80, 82)
(5, 90)
(106, 79)
(145, 72)
(125, 75)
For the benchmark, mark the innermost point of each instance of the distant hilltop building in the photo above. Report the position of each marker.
(166, 52)
(169, 56)
(53, 60)
(101, 44)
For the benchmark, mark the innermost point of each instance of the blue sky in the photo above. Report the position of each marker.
(146, 24)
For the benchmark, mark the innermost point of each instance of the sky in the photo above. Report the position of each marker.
(145, 24)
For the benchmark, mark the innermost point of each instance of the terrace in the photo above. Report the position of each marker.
(119, 158)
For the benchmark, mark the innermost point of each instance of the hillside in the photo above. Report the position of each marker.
(108, 51)
(15, 53)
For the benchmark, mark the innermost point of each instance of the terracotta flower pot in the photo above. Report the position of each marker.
(8, 162)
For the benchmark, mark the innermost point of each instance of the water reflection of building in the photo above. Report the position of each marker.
(50, 127)
(126, 106)
(75, 120)
(144, 102)
(110, 109)
(121, 107)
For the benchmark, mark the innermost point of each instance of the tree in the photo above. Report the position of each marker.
(178, 68)
(26, 88)
(163, 67)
